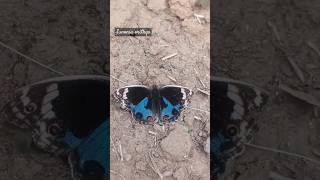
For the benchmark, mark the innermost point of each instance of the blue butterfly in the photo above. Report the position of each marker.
(68, 116)
(153, 105)
(234, 102)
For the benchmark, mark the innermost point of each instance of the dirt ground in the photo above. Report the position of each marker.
(148, 152)
(68, 36)
(247, 48)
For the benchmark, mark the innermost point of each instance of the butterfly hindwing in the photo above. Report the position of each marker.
(90, 158)
(173, 100)
(234, 103)
(137, 99)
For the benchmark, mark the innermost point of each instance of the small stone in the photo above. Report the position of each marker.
(178, 143)
(140, 165)
(127, 157)
(167, 173)
(157, 5)
(202, 134)
(199, 164)
(206, 146)
(139, 148)
(181, 8)
(193, 26)
(180, 174)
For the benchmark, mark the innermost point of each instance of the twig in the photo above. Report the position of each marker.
(197, 118)
(32, 59)
(283, 152)
(276, 176)
(114, 172)
(296, 69)
(169, 56)
(153, 133)
(120, 150)
(301, 95)
(198, 109)
(115, 148)
(198, 17)
(197, 75)
(172, 79)
(155, 167)
(275, 31)
(315, 112)
(204, 92)
(118, 79)
(313, 47)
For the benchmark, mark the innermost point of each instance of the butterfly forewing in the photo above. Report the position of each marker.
(173, 100)
(234, 104)
(63, 115)
(78, 103)
(138, 100)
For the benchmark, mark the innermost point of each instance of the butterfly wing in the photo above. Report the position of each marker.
(173, 99)
(233, 104)
(138, 100)
(90, 159)
(76, 103)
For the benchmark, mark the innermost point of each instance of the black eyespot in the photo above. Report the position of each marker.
(139, 115)
(92, 170)
(30, 108)
(232, 130)
(55, 130)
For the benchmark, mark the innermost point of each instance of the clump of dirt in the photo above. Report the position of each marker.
(176, 53)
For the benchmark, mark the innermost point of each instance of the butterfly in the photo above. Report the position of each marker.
(68, 116)
(153, 105)
(234, 103)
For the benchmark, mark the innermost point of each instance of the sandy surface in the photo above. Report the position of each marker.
(67, 36)
(147, 151)
(246, 48)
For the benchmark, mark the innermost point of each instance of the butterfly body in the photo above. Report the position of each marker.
(150, 105)
(67, 116)
(234, 106)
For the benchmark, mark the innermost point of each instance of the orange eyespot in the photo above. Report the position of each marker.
(166, 119)
(150, 120)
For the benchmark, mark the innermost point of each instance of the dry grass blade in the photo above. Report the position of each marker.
(301, 95)
(296, 69)
(276, 176)
(316, 152)
(169, 56)
(204, 92)
(283, 152)
(32, 60)
(275, 31)
(114, 172)
(313, 47)
(155, 167)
